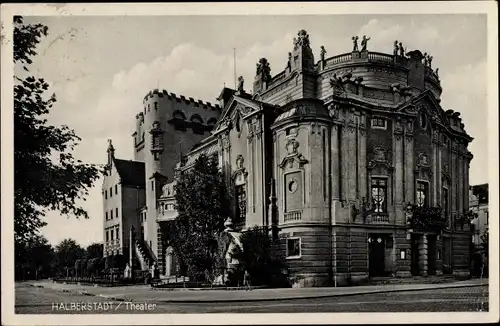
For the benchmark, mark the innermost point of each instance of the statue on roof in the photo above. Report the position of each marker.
(302, 39)
(426, 62)
(401, 49)
(264, 69)
(429, 60)
(289, 63)
(322, 53)
(395, 52)
(364, 43)
(240, 84)
(355, 43)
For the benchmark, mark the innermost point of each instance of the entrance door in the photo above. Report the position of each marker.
(376, 244)
(415, 243)
(431, 254)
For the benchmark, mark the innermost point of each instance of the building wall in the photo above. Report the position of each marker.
(110, 204)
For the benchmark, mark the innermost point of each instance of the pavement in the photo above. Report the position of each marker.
(144, 293)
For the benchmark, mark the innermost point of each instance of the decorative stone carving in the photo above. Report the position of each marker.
(291, 146)
(239, 161)
(364, 43)
(302, 40)
(422, 160)
(379, 154)
(289, 63)
(355, 43)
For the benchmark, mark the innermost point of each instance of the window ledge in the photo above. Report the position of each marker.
(293, 257)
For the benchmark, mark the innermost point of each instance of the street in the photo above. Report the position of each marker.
(33, 300)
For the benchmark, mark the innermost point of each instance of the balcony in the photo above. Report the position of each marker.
(293, 216)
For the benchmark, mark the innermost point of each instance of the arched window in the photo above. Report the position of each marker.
(197, 124)
(212, 121)
(178, 115)
(178, 120)
(195, 118)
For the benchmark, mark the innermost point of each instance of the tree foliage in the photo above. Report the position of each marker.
(255, 255)
(95, 250)
(34, 258)
(67, 254)
(202, 203)
(46, 176)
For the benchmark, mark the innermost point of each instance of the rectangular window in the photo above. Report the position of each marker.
(112, 235)
(116, 210)
(116, 189)
(149, 107)
(152, 185)
(107, 235)
(117, 233)
(293, 247)
(241, 205)
(379, 194)
(379, 123)
(445, 202)
(422, 194)
(486, 216)
(111, 215)
(107, 217)
(110, 192)
(105, 194)
(156, 105)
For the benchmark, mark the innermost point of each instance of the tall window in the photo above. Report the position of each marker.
(422, 194)
(111, 192)
(107, 217)
(445, 201)
(112, 234)
(241, 204)
(379, 194)
(293, 247)
(105, 194)
(116, 189)
(117, 233)
(111, 215)
(486, 216)
(116, 211)
(107, 235)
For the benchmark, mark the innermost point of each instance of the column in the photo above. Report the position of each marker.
(344, 163)
(362, 158)
(422, 255)
(399, 203)
(335, 150)
(409, 166)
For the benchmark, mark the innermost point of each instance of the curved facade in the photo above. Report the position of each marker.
(328, 154)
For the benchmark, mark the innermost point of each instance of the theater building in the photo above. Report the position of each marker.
(329, 154)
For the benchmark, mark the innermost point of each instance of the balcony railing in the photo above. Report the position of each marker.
(293, 216)
(380, 57)
(377, 219)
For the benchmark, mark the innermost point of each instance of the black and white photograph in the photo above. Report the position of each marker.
(196, 163)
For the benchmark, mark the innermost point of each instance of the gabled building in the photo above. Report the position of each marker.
(327, 154)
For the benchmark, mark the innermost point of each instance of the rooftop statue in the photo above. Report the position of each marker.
(302, 40)
(322, 53)
(355, 43)
(429, 59)
(425, 59)
(263, 69)
(395, 52)
(240, 84)
(364, 43)
(401, 49)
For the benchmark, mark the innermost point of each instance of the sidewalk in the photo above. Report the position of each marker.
(143, 293)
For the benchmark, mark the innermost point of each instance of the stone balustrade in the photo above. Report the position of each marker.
(293, 216)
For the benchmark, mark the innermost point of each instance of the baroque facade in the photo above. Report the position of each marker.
(329, 155)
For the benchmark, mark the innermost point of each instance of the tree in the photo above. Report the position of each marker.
(202, 203)
(34, 259)
(255, 256)
(95, 250)
(67, 253)
(46, 176)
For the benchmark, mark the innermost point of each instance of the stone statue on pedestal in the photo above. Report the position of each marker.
(401, 49)
(322, 53)
(240, 84)
(355, 43)
(364, 43)
(395, 52)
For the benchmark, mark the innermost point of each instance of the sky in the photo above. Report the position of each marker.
(100, 68)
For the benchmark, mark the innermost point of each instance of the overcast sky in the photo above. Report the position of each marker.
(101, 67)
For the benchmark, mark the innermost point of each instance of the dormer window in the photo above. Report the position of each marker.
(379, 123)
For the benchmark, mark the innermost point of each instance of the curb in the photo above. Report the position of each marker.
(317, 296)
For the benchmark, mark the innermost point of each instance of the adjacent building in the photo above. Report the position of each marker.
(478, 203)
(328, 154)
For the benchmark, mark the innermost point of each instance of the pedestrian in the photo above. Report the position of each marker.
(246, 280)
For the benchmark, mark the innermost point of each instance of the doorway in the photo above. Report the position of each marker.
(376, 248)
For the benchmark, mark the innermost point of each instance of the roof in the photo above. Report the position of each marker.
(132, 173)
(303, 108)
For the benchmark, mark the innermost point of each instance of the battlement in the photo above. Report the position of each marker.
(181, 98)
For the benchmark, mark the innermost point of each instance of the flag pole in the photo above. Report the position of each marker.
(234, 65)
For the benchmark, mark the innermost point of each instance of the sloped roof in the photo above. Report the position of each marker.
(132, 173)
